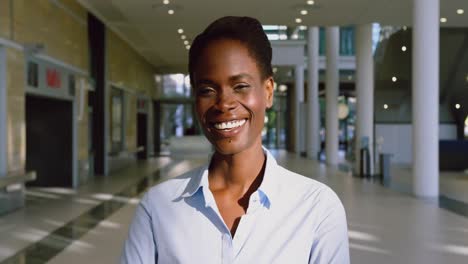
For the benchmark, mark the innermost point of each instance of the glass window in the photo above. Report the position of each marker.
(71, 85)
(117, 120)
(33, 74)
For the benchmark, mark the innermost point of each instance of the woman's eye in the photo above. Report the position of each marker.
(205, 91)
(241, 87)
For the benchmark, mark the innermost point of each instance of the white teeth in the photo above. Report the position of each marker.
(229, 124)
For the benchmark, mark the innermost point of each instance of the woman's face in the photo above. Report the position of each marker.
(231, 96)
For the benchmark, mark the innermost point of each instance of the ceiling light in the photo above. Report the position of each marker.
(187, 47)
(166, 2)
(302, 27)
(298, 20)
(403, 48)
(186, 42)
(183, 37)
(304, 12)
(170, 12)
(457, 106)
(294, 36)
(405, 28)
(310, 2)
(385, 106)
(460, 11)
(394, 79)
(180, 31)
(443, 20)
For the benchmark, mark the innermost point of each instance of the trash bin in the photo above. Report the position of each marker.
(385, 168)
(364, 165)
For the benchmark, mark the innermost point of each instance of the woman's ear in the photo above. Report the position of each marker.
(269, 85)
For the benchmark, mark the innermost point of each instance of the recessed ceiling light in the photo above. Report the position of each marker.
(187, 47)
(443, 20)
(186, 42)
(180, 31)
(385, 106)
(183, 37)
(298, 20)
(166, 2)
(310, 2)
(170, 12)
(394, 79)
(457, 106)
(302, 27)
(403, 48)
(304, 12)
(460, 11)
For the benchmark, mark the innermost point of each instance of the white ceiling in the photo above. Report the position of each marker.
(147, 26)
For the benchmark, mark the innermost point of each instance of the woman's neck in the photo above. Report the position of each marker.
(236, 172)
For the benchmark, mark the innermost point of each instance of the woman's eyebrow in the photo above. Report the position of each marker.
(204, 81)
(240, 77)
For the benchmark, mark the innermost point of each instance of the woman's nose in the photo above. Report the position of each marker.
(225, 101)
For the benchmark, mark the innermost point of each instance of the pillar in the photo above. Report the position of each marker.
(313, 107)
(425, 98)
(332, 86)
(364, 94)
(3, 114)
(298, 100)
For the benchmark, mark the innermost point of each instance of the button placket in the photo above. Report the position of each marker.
(227, 248)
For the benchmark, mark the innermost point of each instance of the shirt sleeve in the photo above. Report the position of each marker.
(140, 246)
(331, 237)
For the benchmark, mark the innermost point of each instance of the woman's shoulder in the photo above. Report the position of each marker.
(305, 187)
(173, 188)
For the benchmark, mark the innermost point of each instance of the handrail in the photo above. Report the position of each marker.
(14, 179)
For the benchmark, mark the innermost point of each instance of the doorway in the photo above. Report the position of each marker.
(49, 141)
(142, 136)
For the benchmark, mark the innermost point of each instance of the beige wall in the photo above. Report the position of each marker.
(16, 123)
(4, 18)
(65, 39)
(128, 69)
(64, 36)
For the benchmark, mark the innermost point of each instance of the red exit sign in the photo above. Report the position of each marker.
(53, 78)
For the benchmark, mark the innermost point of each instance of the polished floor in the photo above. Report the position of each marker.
(89, 225)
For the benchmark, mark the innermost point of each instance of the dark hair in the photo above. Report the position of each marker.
(247, 30)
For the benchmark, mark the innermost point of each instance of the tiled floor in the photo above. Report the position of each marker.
(385, 226)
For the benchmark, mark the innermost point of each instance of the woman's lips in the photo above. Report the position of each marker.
(227, 125)
(228, 128)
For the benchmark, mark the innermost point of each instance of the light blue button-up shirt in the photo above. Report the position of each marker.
(290, 219)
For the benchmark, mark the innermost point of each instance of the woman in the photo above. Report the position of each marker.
(242, 207)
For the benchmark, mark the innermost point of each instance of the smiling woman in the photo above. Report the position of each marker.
(241, 207)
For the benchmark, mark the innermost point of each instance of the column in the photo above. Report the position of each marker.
(365, 94)
(425, 98)
(313, 107)
(332, 86)
(299, 98)
(3, 114)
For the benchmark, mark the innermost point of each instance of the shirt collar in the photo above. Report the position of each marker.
(268, 188)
